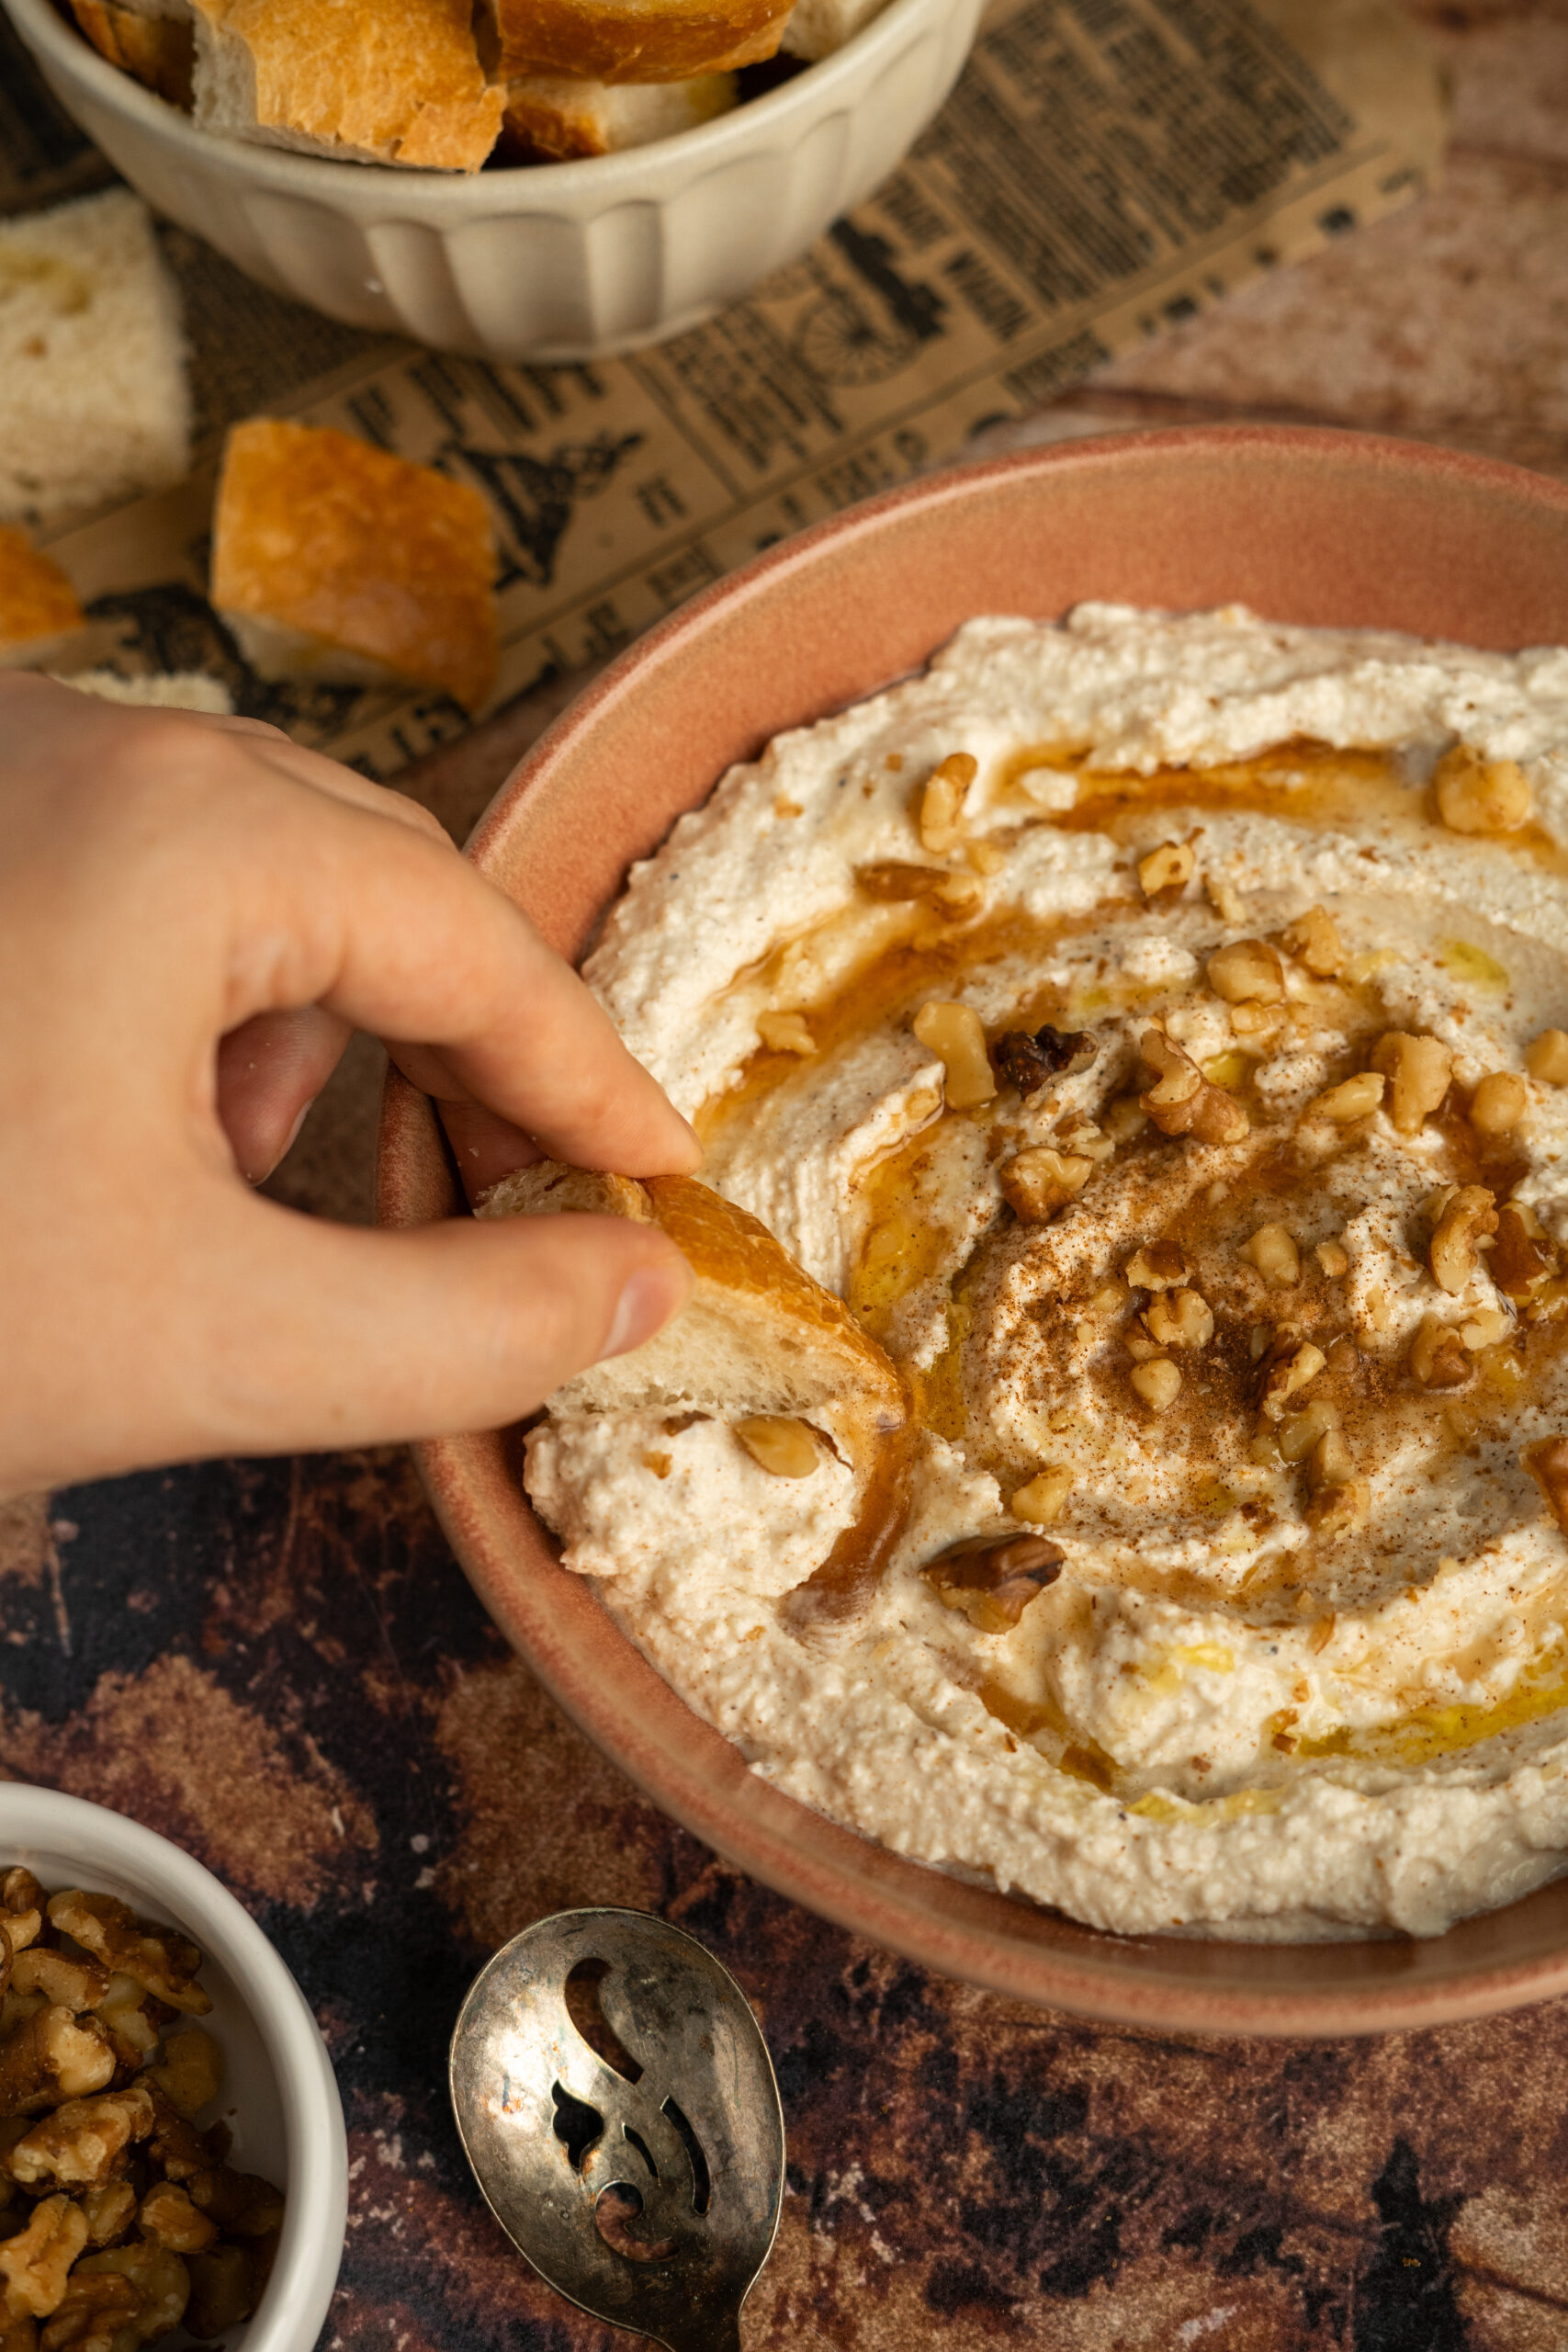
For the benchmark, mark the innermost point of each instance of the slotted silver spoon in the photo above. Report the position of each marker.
(635, 2155)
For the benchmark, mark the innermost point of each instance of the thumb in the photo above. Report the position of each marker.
(331, 1336)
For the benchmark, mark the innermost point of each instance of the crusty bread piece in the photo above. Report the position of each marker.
(552, 119)
(93, 398)
(369, 81)
(756, 1336)
(156, 47)
(332, 560)
(165, 690)
(38, 611)
(625, 41)
(816, 27)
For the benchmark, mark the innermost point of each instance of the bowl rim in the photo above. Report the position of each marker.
(114, 1846)
(453, 1473)
(457, 196)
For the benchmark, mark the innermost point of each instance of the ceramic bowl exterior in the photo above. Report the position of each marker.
(286, 2118)
(560, 262)
(1326, 528)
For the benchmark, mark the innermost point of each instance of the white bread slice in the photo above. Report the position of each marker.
(552, 119)
(334, 560)
(156, 45)
(625, 41)
(368, 81)
(758, 1335)
(93, 405)
(38, 611)
(816, 27)
(166, 690)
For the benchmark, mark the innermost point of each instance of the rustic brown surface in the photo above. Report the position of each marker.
(279, 1665)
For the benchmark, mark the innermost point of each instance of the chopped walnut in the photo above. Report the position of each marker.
(36, 2263)
(1273, 1251)
(1183, 1102)
(1420, 1069)
(1437, 1359)
(1334, 1258)
(160, 2279)
(1498, 1103)
(992, 1579)
(72, 1984)
(160, 1958)
(95, 2316)
(1522, 1257)
(1546, 1058)
(777, 1442)
(242, 2205)
(1028, 1062)
(168, 2217)
(1547, 1463)
(896, 881)
(21, 1906)
(1329, 1463)
(1166, 868)
(80, 2145)
(1037, 1182)
(192, 2073)
(1481, 796)
(786, 1032)
(942, 802)
(1157, 1383)
(1296, 1367)
(1081, 1135)
(1042, 1502)
(176, 2146)
(954, 1034)
(1246, 972)
(1302, 1431)
(1468, 1217)
(1314, 940)
(1157, 1265)
(52, 2056)
(222, 2292)
(1353, 1098)
(126, 2013)
(1486, 1328)
(109, 2211)
(1180, 1318)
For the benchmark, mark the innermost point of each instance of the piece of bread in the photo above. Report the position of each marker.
(368, 81)
(38, 611)
(166, 690)
(156, 45)
(332, 560)
(756, 1336)
(93, 405)
(816, 27)
(552, 119)
(625, 41)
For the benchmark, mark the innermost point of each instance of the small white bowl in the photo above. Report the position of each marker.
(559, 262)
(277, 2080)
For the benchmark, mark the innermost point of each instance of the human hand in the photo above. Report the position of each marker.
(194, 915)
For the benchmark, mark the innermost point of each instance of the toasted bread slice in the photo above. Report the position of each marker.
(552, 119)
(756, 1336)
(38, 611)
(369, 81)
(154, 49)
(333, 559)
(626, 41)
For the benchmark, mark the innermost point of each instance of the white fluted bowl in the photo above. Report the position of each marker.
(563, 261)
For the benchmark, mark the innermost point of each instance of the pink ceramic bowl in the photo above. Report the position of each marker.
(1320, 527)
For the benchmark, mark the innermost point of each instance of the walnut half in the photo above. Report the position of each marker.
(1183, 1102)
(993, 1578)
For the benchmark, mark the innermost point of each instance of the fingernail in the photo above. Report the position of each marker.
(647, 1301)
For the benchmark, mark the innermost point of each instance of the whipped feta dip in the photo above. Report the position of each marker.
(1151, 1026)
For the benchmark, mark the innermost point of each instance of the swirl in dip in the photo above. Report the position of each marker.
(1150, 1027)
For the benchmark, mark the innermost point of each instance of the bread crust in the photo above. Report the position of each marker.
(396, 81)
(757, 1327)
(319, 533)
(555, 118)
(627, 41)
(37, 601)
(157, 51)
